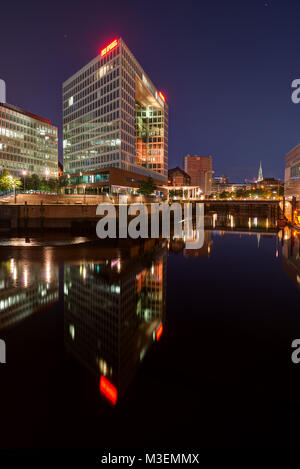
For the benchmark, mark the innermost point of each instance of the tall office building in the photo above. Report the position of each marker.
(27, 142)
(200, 170)
(113, 117)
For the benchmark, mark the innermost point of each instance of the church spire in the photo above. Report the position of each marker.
(260, 174)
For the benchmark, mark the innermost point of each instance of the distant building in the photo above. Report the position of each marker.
(220, 179)
(179, 185)
(27, 142)
(250, 186)
(270, 184)
(292, 173)
(200, 170)
(178, 177)
(218, 184)
(234, 186)
(114, 118)
(218, 188)
(60, 169)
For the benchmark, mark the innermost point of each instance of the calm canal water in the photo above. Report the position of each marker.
(151, 345)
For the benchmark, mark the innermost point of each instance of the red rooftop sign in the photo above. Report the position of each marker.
(162, 96)
(108, 48)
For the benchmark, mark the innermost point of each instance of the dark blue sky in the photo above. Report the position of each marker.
(226, 68)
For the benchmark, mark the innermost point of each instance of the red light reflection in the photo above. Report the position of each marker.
(108, 390)
(159, 332)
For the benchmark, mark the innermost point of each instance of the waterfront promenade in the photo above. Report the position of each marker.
(56, 212)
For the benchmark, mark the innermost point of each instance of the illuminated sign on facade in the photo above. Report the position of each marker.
(107, 49)
(162, 96)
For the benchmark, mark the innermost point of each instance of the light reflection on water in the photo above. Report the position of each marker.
(113, 309)
(114, 301)
(43, 241)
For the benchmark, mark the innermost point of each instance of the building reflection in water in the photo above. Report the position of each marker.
(222, 225)
(230, 222)
(26, 287)
(115, 311)
(291, 254)
(177, 245)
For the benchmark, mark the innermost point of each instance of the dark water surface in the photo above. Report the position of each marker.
(192, 348)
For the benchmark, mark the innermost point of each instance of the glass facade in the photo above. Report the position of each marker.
(84, 179)
(113, 116)
(292, 173)
(27, 143)
(295, 171)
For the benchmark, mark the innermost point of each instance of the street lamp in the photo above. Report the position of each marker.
(24, 173)
(84, 198)
(14, 187)
(46, 174)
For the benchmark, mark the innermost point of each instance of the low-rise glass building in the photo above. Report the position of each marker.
(110, 180)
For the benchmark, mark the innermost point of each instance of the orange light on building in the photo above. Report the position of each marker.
(108, 390)
(108, 48)
(162, 96)
(159, 332)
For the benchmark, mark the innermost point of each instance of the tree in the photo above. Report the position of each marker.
(44, 185)
(33, 182)
(224, 195)
(8, 182)
(17, 183)
(240, 193)
(36, 183)
(147, 187)
(53, 185)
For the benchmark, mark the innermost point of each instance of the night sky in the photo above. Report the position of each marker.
(225, 67)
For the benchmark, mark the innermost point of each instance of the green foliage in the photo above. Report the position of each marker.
(33, 182)
(224, 195)
(36, 183)
(8, 182)
(148, 186)
(245, 194)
